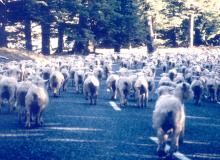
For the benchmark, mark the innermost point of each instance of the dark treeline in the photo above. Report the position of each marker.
(112, 23)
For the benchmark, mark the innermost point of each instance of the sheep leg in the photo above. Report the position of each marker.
(174, 143)
(90, 100)
(39, 121)
(145, 100)
(95, 99)
(28, 118)
(0, 105)
(19, 114)
(161, 144)
(10, 105)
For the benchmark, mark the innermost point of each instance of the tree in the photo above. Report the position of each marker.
(3, 34)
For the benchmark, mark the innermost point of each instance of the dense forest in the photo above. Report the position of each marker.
(110, 23)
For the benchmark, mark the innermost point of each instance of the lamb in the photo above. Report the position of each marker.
(7, 91)
(111, 85)
(169, 118)
(91, 88)
(22, 89)
(123, 88)
(56, 82)
(141, 90)
(36, 101)
(197, 88)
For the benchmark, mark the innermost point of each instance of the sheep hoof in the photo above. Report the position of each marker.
(28, 126)
(161, 153)
(169, 156)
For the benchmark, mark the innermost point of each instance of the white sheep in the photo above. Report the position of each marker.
(79, 79)
(22, 89)
(91, 88)
(56, 82)
(197, 88)
(172, 74)
(169, 118)
(211, 87)
(123, 89)
(107, 69)
(66, 76)
(111, 85)
(36, 101)
(7, 91)
(45, 74)
(141, 91)
(99, 72)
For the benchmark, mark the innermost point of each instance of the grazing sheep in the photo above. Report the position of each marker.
(7, 91)
(56, 82)
(169, 118)
(36, 101)
(141, 90)
(22, 89)
(91, 88)
(111, 85)
(197, 89)
(123, 88)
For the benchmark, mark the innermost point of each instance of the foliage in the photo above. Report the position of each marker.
(118, 23)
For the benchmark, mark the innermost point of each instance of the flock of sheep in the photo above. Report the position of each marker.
(185, 74)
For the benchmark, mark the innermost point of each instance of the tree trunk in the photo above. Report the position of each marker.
(198, 37)
(3, 35)
(150, 36)
(27, 32)
(173, 37)
(60, 38)
(117, 48)
(45, 28)
(81, 48)
(191, 30)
